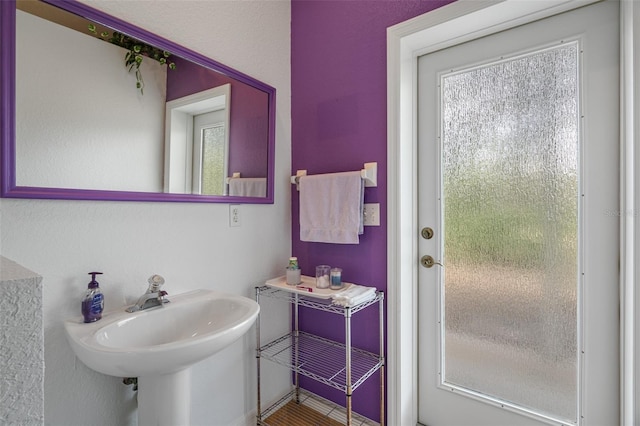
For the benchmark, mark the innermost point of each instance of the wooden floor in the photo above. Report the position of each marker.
(292, 414)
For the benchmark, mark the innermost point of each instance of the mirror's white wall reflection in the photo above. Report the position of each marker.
(111, 135)
(114, 137)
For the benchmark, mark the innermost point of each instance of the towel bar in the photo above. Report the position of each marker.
(369, 174)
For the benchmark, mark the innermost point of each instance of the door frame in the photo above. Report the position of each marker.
(452, 24)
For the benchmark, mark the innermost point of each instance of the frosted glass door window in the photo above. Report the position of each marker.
(213, 160)
(510, 189)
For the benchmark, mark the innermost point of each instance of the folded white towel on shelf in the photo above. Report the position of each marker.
(353, 295)
(331, 208)
(248, 187)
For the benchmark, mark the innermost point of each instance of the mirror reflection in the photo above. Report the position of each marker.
(89, 118)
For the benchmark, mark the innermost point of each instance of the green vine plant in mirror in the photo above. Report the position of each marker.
(137, 50)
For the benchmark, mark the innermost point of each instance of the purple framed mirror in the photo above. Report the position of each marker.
(94, 129)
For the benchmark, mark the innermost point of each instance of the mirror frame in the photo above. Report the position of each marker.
(8, 187)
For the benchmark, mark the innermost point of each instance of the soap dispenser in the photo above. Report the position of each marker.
(93, 302)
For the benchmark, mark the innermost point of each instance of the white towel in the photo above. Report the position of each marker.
(248, 187)
(353, 295)
(331, 208)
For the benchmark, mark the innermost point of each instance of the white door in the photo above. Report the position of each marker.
(518, 179)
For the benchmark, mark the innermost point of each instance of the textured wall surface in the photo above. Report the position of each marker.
(338, 87)
(21, 346)
(191, 245)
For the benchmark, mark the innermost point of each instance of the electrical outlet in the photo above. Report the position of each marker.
(234, 215)
(372, 214)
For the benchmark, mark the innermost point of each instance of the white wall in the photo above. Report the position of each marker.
(191, 245)
(112, 137)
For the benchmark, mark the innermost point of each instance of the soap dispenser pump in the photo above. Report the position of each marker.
(93, 302)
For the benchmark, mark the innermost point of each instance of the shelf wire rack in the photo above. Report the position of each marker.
(313, 302)
(335, 364)
(321, 359)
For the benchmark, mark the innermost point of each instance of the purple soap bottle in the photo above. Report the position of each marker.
(93, 302)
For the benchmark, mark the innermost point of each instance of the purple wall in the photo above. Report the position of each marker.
(338, 114)
(248, 133)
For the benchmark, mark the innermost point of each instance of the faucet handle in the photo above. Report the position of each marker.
(155, 281)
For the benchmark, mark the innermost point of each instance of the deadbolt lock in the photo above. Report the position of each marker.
(428, 261)
(427, 233)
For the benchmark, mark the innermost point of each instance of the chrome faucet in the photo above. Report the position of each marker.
(152, 297)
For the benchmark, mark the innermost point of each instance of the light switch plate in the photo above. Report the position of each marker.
(372, 214)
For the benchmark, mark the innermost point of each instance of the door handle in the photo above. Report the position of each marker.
(428, 261)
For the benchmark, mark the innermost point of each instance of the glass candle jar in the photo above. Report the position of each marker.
(322, 276)
(336, 278)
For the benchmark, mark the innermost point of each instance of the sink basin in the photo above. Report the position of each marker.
(192, 327)
(159, 345)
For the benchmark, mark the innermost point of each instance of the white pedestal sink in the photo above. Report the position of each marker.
(159, 345)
